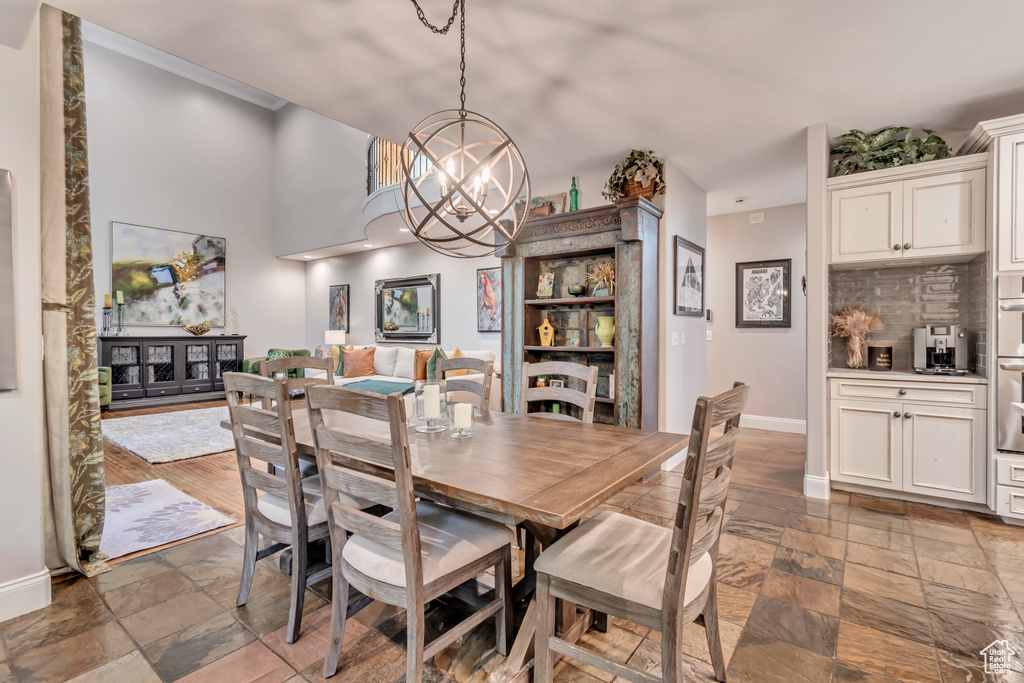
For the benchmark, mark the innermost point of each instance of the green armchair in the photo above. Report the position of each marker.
(106, 386)
(252, 365)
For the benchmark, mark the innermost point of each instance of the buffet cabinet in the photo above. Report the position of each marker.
(926, 438)
(167, 367)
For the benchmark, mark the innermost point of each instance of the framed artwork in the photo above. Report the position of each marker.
(488, 299)
(408, 309)
(339, 308)
(762, 294)
(689, 278)
(8, 340)
(168, 277)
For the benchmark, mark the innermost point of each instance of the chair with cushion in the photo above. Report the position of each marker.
(471, 383)
(660, 578)
(286, 508)
(414, 554)
(583, 398)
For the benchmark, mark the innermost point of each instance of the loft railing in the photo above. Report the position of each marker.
(382, 164)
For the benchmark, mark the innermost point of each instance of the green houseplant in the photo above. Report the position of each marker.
(859, 151)
(639, 174)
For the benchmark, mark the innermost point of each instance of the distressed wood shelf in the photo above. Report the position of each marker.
(572, 301)
(604, 399)
(583, 349)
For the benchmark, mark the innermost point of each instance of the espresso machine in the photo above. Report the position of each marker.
(940, 350)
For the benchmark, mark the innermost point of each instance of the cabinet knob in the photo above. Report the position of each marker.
(896, 413)
(907, 246)
(908, 415)
(902, 392)
(896, 247)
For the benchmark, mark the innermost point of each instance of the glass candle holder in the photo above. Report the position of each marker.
(431, 406)
(410, 410)
(460, 417)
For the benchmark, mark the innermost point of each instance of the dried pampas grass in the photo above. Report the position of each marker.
(854, 323)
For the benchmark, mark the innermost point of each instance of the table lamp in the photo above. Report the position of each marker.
(334, 338)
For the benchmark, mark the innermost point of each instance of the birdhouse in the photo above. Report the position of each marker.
(547, 333)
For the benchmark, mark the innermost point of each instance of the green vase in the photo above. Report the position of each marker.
(574, 197)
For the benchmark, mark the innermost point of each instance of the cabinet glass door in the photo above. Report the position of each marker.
(126, 366)
(227, 358)
(198, 367)
(160, 368)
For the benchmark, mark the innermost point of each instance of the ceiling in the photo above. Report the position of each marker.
(722, 89)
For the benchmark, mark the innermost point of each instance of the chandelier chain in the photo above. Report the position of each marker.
(460, 5)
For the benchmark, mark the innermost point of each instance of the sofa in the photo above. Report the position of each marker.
(387, 369)
(252, 365)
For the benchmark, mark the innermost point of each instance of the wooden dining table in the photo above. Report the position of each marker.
(546, 473)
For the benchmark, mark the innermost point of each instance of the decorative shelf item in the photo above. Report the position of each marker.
(198, 329)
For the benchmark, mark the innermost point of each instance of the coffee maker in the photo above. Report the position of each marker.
(940, 350)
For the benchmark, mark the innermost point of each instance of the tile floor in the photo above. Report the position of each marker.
(855, 589)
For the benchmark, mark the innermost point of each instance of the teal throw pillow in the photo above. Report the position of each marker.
(432, 363)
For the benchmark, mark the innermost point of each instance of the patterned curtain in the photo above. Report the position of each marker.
(75, 462)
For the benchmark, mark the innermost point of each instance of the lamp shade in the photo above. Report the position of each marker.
(334, 338)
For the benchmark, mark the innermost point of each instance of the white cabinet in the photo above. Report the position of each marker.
(1008, 159)
(933, 447)
(935, 209)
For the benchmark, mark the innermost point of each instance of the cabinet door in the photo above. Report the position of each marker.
(125, 362)
(160, 368)
(198, 374)
(866, 443)
(944, 452)
(1009, 204)
(944, 215)
(867, 223)
(227, 358)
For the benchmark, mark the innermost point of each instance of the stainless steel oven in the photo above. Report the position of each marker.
(1010, 362)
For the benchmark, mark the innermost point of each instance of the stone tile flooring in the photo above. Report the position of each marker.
(855, 589)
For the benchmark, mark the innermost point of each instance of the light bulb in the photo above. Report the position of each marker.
(485, 175)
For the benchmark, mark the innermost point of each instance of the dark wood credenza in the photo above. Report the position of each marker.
(168, 369)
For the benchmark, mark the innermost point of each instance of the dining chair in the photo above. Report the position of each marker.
(469, 383)
(584, 399)
(293, 370)
(415, 553)
(660, 578)
(285, 508)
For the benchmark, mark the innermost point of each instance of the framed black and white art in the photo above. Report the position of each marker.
(763, 293)
(689, 278)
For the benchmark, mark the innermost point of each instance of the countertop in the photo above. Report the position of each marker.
(898, 375)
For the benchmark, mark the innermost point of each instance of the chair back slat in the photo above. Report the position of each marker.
(340, 452)
(380, 530)
(258, 418)
(583, 398)
(250, 447)
(265, 482)
(702, 497)
(481, 386)
(279, 369)
(360, 485)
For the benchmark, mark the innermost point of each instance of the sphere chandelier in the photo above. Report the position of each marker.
(461, 175)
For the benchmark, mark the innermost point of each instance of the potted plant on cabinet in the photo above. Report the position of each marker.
(641, 174)
(539, 207)
(860, 151)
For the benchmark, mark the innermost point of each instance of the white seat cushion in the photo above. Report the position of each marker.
(448, 540)
(621, 556)
(384, 360)
(275, 507)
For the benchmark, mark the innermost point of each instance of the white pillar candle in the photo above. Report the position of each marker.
(431, 402)
(410, 405)
(463, 415)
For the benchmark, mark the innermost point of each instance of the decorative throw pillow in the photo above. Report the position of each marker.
(357, 362)
(432, 363)
(384, 360)
(340, 370)
(405, 366)
(423, 357)
(457, 353)
(275, 354)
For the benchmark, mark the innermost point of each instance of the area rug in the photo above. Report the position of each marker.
(167, 437)
(152, 513)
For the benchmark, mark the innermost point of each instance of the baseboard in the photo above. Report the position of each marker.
(23, 595)
(816, 487)
(774, 424)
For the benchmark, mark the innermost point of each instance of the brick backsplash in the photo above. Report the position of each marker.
(914, 296)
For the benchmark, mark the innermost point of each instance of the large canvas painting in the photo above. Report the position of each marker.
(488, 300)
(339, 308)
(408, 309)
(689, 278)
(762, 293)
(168, 277)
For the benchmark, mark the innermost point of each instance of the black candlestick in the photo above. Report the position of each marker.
(120, 331)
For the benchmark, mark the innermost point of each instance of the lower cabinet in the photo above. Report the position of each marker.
(917, 448)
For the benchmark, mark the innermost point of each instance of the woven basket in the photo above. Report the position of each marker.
(635, 189)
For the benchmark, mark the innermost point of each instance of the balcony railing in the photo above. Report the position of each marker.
(382, 164)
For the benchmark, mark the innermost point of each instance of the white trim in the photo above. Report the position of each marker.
(97, 35)
(817, 487)
(774, 424)
(25, 594)
(675, 461)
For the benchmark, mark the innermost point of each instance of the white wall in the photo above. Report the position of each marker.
(772, 361)
(24, 581)
(360, 270)
(319, 181)
(684, 375)
(169, 153)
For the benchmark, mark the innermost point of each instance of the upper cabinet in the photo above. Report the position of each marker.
(927, 211)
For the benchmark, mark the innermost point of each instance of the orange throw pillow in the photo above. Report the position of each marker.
(420, 369)
(457, 353)
(358, 362)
